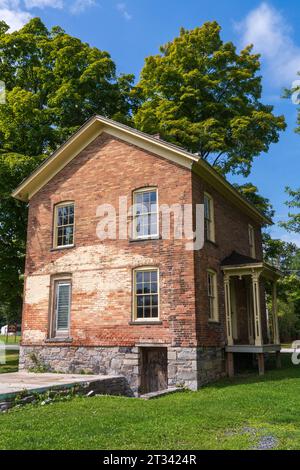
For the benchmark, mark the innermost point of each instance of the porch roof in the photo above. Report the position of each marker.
(237, 264)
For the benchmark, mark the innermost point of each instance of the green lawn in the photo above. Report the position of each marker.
(231, 414)
(12, 361)
(10, 339)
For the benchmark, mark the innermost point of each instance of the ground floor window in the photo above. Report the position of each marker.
(212, 295)
(61, 307)
(146, 293)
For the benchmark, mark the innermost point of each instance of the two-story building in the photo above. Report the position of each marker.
(141, 305)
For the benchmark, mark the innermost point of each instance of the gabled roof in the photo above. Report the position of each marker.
(99, 124)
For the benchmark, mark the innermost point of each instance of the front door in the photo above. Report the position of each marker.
(154, 369)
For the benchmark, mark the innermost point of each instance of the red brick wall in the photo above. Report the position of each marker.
(231, 233)
(102, 270)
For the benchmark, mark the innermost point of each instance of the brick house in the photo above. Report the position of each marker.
(143, 306)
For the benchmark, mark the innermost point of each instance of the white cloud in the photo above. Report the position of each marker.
(269, 32)
(122, 8)
(13, 14)
(43, 4)
(14, 18)
(81, 5)
(291, 238)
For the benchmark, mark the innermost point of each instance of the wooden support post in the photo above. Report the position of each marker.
(256, 309)
(230, 364)
(278, 360)
(276, 338)
(228, 310)
(261, 363)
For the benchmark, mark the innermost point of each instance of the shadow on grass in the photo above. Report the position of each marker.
(272, 374)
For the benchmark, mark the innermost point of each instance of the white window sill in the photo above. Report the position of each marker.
(58, 248)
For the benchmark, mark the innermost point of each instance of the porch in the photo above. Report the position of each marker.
(251, 327)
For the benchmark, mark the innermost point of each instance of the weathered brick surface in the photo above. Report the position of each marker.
(101, 313)
(102, 270)
(231, 230)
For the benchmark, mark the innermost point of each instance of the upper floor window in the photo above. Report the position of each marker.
(145, 213)
(64, 225)
(209, 224)
(61, 307)
(212, 292)
(251, 241)
(146, 294)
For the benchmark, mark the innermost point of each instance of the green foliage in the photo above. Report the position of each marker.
(13, 221)
(293, 224)
(54, 82)
(286, 257)
(263, 204)
(231, 414)
(201, 94)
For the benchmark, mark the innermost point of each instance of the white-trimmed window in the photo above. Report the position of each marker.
(146, 294)
(64, 219)
(209, 223)
(145, 213)
(61, 307)
(212, 293)
(251, 241)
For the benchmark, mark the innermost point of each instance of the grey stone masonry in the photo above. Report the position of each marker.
(187, 367)
(194, 367)
(87, 360)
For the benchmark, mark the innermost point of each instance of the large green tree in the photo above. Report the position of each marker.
(293, 222)
(203, 95)
(54, 82)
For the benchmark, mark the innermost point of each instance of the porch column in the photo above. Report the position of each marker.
(274, 313)
(256, 309)
(228, 309)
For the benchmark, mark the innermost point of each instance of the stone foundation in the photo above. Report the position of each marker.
(187, 367)
(194, 367)
(87, 360)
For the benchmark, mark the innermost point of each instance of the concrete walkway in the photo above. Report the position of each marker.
(10, 347)
(13, 383)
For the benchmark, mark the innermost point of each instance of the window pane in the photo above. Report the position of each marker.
(155, 312)
(147, 312)
(139, 312)
(145, 213)
(65, 225)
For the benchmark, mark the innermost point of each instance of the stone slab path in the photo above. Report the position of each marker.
(16, 382)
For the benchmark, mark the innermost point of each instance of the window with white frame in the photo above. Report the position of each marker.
(145, 213)
(64, 225)
(146, 294)
(212, 292)
(251, 241)
(61, 307)
(209, 225)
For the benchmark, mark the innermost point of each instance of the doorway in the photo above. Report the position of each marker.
(154, 369)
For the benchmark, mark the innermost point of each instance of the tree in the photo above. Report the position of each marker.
(54, 82)
(13, 221)
(263, 204)
(286, 257)
(199, 93)
(293, 224)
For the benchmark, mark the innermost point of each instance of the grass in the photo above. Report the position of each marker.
(12, 361)
(10, 339)
(231, 414)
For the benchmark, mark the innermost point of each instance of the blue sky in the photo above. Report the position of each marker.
(130, 30)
